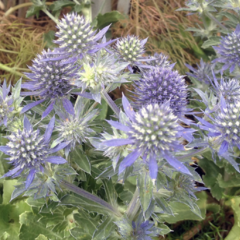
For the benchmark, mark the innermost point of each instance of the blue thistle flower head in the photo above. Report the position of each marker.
(99, 73)
(160, 60)
(50, 80)
(201, 73)
(152, 132)
(224, 132)
(130, 49)
(144, 230)
(229, 89)
(5, 104)
(162, 84)
(75, 128)
(229, 50)
(76, 37)
(29, 151)
(9, 103)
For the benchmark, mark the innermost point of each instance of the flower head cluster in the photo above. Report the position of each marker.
(229, 50)
(76, 37)
(51, 81)
(131, 49)
(152, 132)
(99, 73)
(202, 72)
(75, 128)
(29, 151)
(161, 84)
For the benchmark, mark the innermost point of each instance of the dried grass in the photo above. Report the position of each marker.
(20, 41)
(165, 29)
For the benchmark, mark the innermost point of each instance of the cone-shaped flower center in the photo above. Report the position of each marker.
(27, 149)
(155, 128)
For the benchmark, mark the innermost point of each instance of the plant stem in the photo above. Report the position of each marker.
(215, 20)
(90, 196)
(50, 15)
(134, 205)
(11, 70)
(137, 18)
(12, 9)
(110, 102)
(192, 154)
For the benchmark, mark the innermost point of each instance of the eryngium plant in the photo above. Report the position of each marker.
(104, 169)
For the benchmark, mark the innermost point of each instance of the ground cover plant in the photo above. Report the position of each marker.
(82, 166)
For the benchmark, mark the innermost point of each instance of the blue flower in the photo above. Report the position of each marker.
(201, 73)
(229, 89)
(9, 103)
(50, 80)
(29, 151)
(5, 104)
(99, 73)
(130, 49)
(152, 132)
(161, 84)
(223, 132)
(75, 128)
(229, 50)
(76, 38)
(144, 230)
(160, 60)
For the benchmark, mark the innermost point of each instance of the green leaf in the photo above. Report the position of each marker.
(48, 38)
(234, 233)
(212, 172)
(31, 228)
(104, 230)
(162, 203)
(58, 5)
(9, 222)
(8, 187)
(145, 186)
(211, 42)
(35, 8)
(110, 191)
(104, 20)
(81, 159)
(103, 110)
(85, 224)
(79, 234)
(87, 204)
(41, 237)
(183, 212)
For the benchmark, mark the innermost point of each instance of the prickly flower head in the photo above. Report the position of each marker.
(153, 131)
(160, 60)
(202, 73)
(50, 80)
(130, 48)
(29, 151)
(99, 73)
(75, 128)
(229, 50)
(76, 36)
(159, 85)
(223, 131)
(229, 89)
